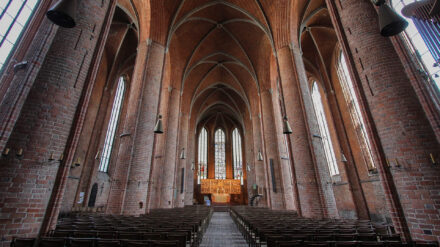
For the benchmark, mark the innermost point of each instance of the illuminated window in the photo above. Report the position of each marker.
(416, 42)
(220, 154)
(355, 111)
(14, 17)
(323, 128)
(237, 153)
(203, 155)
(111, 129)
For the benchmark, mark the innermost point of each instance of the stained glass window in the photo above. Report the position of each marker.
(323, 128)
(203, 155)
(112, 124)
(14, 17)
(355, 111)
(237, 153)
(220, 154)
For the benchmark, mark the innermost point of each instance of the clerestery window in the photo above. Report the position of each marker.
(14, 18)
(112, 124)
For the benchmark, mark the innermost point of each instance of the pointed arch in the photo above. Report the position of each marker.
(237, 155)
(202, 160)
(220, 154)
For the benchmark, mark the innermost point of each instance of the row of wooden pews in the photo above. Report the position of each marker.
(181, 227)
(263, 227)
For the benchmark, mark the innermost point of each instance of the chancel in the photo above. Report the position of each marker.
(219, 123)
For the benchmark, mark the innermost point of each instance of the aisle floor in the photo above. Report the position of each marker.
(223, 232)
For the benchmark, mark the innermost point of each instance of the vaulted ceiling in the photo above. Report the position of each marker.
(222, 53)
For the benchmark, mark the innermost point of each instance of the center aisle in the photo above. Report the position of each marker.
(222, 231)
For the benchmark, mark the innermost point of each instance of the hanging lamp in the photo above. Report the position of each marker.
(343, 158)
(182, 154)
(259, 156)
(62, 13)
(390, 22)
(158, 129)
(286, 127)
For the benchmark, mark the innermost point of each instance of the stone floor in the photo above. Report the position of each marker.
(223, 232)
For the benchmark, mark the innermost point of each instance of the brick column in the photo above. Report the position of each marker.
(400, 129)
(188, 181)
(259, 167)
(172, 152)
(32, 187)
(308, 194)
(187, 126)
(307, 152)
(271, 150)
(131, 176)
(144, 140)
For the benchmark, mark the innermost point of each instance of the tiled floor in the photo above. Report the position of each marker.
(222, 232)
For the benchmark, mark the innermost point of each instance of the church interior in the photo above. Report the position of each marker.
(219, 123)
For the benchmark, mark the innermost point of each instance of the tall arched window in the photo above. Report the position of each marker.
(14, 17)
(203, 155)
(355, 111)
(325, 133)
(237, 153)
(417, 46)
(112, 124)
(220, 154)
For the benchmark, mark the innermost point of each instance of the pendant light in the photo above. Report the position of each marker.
(390, 22)
(343, 158)
(62, 13)
(158, 129)
(182, 154)
(286, 127)
(259, 156)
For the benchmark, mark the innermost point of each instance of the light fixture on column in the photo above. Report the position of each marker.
(158, 129)
(259, 156)
(390, 22)
(62, 13)
(51, 157)
(343, 158)
(182, 154)
(286, 127)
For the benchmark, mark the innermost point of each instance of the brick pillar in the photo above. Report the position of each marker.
(131, 176)
(32, 187)
(228, 149)
(259, 166)
(171, 153)
(314, 190)
(401, 131)
(186, 163)
(285, 164)
(271, 150)
(140, 167)
(188, 127)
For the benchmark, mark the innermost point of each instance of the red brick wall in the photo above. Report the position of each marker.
(405, 135)
(44, 124)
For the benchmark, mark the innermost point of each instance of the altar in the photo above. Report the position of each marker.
(220, 189)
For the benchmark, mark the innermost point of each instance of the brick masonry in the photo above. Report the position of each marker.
(215, 74)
